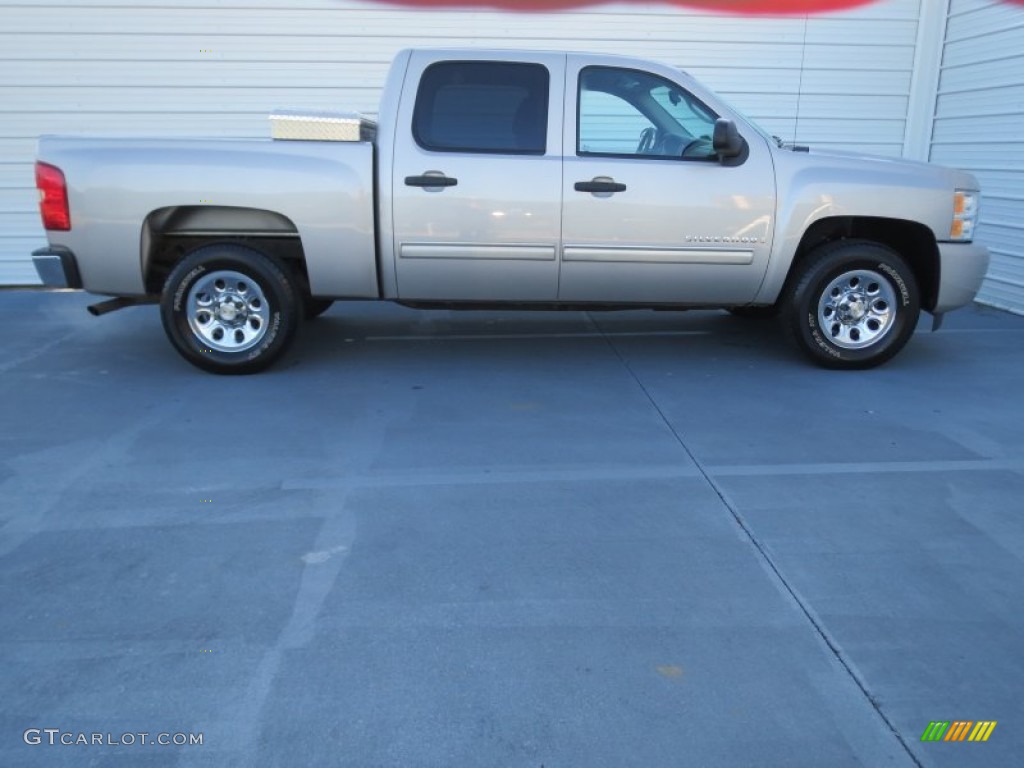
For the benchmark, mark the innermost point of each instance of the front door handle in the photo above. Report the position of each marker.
(430, 180)
(599, 186)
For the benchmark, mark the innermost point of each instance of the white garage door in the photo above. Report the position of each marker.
(979, 126)
(217, 67)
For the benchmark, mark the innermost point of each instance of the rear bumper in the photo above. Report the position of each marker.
(57, 267)
(962, 268)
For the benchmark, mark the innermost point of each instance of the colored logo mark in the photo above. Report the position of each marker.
(958, 730)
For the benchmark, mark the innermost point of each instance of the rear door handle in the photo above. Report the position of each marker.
(430, 180)
(599, 186)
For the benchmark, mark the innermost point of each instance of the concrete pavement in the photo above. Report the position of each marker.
(509, 539)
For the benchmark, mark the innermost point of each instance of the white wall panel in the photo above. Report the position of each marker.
(979, 113)
(217, 67)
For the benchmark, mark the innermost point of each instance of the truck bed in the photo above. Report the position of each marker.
(322, 191)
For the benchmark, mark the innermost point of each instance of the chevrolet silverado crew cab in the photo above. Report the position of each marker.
(516, 179)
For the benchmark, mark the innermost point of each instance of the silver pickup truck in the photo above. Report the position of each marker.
(510, 178)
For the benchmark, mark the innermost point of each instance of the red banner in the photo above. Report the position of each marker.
(761, 7)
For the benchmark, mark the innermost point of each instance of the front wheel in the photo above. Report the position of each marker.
(230, 309)
(854, 304)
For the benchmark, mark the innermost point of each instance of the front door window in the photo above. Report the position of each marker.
(629, 113)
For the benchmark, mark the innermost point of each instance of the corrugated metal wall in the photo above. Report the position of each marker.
(216, 67)
(979, 126)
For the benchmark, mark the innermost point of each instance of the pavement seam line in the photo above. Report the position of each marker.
(819, 628)
(39, 351)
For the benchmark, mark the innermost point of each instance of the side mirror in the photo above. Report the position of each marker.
(727, 141)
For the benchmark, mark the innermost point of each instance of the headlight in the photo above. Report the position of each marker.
(965, 214)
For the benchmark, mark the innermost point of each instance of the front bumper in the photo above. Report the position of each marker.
(962, 267)
(57, 267)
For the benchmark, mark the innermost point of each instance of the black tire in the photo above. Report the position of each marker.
(853, 304)
(230, 309)
(313, 308)
(755, 313)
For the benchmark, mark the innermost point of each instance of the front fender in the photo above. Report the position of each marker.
(813, 188)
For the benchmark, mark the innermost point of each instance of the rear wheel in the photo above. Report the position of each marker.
(854, 304)
(230, 309)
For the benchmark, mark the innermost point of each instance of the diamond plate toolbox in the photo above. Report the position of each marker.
(298, 125)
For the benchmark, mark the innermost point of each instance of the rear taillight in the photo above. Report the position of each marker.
(53, 197)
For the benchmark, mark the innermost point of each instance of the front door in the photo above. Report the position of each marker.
(650, 215)
(477, 185)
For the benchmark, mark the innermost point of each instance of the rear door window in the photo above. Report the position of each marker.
(483, 106)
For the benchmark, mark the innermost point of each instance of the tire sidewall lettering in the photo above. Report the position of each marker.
(897, 278)
(812, 324)
(818, 338)
(825, 346)
(186, 282)
(275, 326)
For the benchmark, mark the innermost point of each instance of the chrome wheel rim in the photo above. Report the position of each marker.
(857, 309)
(228, 311)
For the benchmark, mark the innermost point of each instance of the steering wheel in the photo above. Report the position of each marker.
(647, 139)
(699, 147)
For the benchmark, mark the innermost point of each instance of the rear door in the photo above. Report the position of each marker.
(477, 180)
